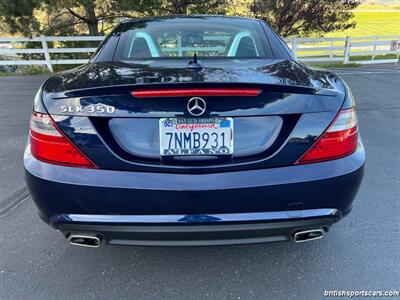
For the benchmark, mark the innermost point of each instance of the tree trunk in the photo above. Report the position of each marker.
(93, 29)
(92, 21)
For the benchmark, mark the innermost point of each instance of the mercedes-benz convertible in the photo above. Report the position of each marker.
(193, 130)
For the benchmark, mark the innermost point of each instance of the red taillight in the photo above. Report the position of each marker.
(196, 92)
(338, 141)
(50, 145)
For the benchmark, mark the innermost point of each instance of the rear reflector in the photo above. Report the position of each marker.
(339, 140)
(50, 145)
(196, 92)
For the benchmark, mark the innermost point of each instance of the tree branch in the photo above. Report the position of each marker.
(77, 15)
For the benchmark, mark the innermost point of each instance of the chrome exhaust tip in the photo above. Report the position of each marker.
(309, 235)
(91, 241)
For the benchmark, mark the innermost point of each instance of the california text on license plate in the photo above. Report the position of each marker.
(196, 136)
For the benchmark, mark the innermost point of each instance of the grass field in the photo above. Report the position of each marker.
(373, 23)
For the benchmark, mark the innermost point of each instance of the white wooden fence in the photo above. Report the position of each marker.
(362, 50)
(12, 48)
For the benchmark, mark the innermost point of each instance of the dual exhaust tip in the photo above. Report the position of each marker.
(94, 241)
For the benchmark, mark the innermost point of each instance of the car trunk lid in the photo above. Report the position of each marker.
(95, 107)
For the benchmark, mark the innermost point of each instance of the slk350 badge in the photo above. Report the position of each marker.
(88, 109)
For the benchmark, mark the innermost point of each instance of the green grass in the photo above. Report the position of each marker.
(372, 23)
(26, 70)
(368, 57)
(332, 65)
(377, 6)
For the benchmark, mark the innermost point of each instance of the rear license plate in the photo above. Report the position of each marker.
(196, 136)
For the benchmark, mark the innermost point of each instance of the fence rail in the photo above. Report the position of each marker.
(362, 50)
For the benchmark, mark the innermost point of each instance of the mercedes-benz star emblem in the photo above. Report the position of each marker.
(196, 106)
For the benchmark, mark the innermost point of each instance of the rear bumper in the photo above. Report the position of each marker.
(224, 233)
(182, 209)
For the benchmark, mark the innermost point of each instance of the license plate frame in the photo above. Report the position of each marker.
(215, 125)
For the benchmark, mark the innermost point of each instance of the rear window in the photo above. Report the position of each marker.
(207, 37)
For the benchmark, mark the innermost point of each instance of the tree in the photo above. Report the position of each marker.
(17, 15)
(62, 16)
(90, 13)
(92, 16)
(195, 6)
(305, 17)
(176, 7)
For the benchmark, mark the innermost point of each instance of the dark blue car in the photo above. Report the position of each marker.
(196, 130)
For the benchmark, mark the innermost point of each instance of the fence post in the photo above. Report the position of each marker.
(347, 50)
(331, 52)
(374, 47)
(46, 53)
(295, 46)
